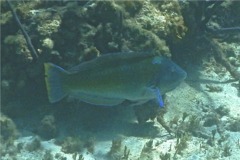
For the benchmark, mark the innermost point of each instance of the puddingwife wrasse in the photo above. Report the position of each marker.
(110, 79)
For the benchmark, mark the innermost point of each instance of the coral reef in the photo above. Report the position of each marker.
(48, 156)
(206, 23)
(72, 145)
(115, 148)
(8, 129)
(95, 28)
(52, 33)
(8, 134)
(163, 18)
(34, 145)
(47, 128)
(89, 144)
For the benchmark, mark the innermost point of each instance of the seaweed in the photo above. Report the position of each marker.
(226, 150)
(58, 156)
(211, 119)
(222, 111)
(238, 143)
(147, 149)
(116, 152)
(213, 88)
(205, 10)
(34, 145)
(72, 145)
(211, 140)
(190, 126)
(80, 157)
(194, 123)
(48, 155)
(221, 58)
(161, 121)
(181, 144)
(149, 110)
(166, 156)
(148, 146)
(184, 116)
(89, 144)
(77, 156)
(116, 146)
(126, 153)
(20, 146)
(234, 125)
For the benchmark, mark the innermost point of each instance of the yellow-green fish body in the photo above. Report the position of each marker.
(110, 79)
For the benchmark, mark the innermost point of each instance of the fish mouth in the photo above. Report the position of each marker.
(184, 75)
(180, 73)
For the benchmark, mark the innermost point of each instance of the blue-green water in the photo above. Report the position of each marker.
(200, 117)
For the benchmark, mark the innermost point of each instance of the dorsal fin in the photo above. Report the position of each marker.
(112, 59)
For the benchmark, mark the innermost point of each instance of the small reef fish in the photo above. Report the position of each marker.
(110, 79)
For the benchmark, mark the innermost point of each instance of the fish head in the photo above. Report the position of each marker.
(169, 75)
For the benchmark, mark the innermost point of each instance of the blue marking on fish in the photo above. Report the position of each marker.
(159, 97)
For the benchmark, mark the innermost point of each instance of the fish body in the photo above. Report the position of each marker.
(112, 78)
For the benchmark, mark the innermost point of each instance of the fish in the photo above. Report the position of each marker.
(111, 79)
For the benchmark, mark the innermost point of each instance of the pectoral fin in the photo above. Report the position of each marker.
(158, 96)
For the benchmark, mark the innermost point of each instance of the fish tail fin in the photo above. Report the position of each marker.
(53, 78)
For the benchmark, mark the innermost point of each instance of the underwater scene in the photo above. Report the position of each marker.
(120, 80)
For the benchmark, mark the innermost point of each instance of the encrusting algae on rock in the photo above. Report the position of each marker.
(113, 78)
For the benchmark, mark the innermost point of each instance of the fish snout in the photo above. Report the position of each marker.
(183, 74)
